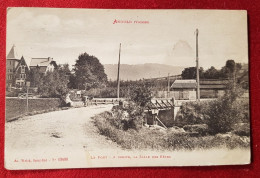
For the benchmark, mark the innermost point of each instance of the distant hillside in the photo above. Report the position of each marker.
(140, 71)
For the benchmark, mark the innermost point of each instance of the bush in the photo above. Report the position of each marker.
(191, 113)
(201, 129)
(141, 94)
(223, 113)
(127, 117)
(220, 115)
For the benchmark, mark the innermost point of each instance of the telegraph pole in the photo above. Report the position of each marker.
(197, 66)
(168, 90)
(27, 97)
(118, 73)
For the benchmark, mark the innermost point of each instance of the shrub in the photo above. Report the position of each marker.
(201, 129)
(220, 115)
(223, 113)
(127, 117)
(141, 94)
(191, 113)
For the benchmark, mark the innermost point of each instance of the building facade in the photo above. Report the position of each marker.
(17, 70)
(21, 73)
(186, 89)
(44, 65)
(12, 61)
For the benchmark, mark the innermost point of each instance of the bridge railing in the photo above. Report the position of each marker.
(96, 101)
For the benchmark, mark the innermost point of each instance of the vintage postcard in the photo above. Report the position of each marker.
(90, 88)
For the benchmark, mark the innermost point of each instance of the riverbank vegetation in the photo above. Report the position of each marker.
(164, 139)
(220, 123)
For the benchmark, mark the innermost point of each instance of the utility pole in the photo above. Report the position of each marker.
(168, 91)
(197, 66)
(118, 73)
(27, 97)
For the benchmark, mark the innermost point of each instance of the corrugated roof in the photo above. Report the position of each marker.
(185, 81)
(41, 62)
(184, 85)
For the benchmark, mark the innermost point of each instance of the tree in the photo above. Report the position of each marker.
(89, 72)
(230, 70)
(141, 94)
(211, 73)
(35, 77)
(223, 113)
(191, 73)
(54, 84)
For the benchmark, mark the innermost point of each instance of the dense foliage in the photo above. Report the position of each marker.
(130, 114)
(191, 73)
(53, 83)
(230, 70)
(220, 115)
(89, 73)
(141, 94)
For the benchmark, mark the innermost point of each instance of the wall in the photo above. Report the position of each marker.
(16, 107)
(165, 116)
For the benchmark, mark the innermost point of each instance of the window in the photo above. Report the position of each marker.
(22, 69)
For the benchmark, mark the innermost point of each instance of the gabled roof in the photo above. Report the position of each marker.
(41, 62)
(12, 53)
(21, 62)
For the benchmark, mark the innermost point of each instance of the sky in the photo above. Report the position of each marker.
(168, 37)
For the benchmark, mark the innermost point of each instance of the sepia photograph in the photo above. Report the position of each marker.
(88, 88)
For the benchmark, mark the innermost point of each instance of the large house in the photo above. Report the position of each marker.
(43, 64)
(17, 70)
(186, 89)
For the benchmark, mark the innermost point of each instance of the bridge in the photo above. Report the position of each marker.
(152, 110)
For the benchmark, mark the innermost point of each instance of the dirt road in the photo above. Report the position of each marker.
(60, 132)
(67, 128)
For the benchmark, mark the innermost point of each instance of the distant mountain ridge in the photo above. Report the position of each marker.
(140, 71)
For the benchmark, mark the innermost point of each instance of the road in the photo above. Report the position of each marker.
(53, 133)
(67, 128)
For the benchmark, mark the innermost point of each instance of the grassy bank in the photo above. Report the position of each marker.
(154, 139)
(16, 107)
